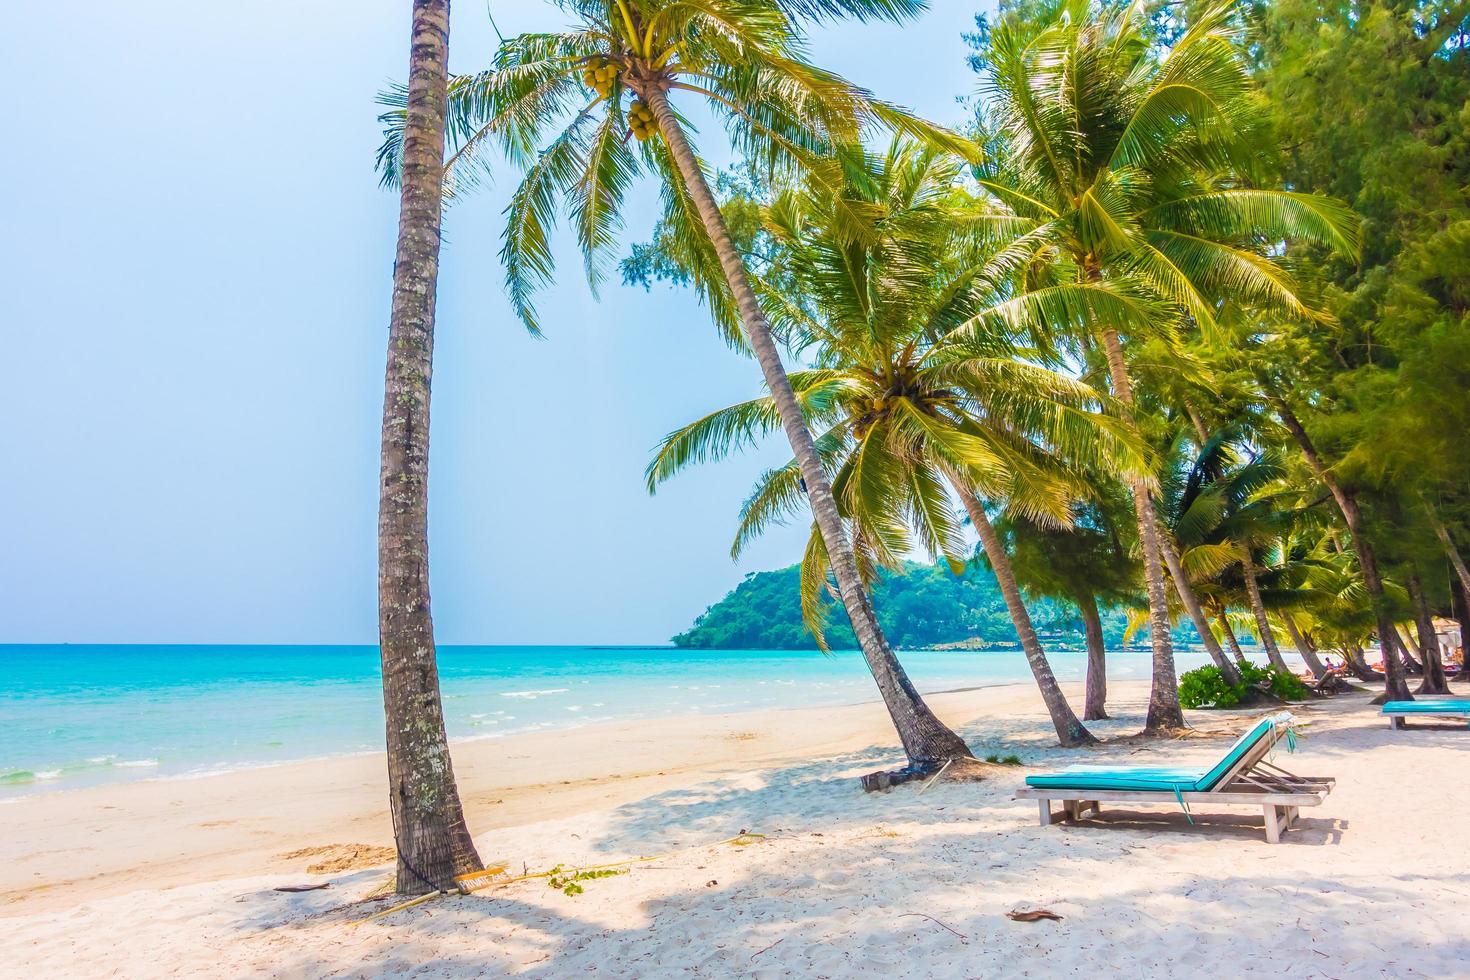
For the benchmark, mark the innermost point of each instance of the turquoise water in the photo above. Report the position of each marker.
(80, 715)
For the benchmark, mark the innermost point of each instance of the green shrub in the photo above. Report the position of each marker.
(1206, 687)
(1287, 686)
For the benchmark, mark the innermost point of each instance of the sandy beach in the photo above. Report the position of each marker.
(178, 877)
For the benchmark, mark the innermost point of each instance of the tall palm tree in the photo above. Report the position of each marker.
(1135, 174)
(918, 388)
(429, 829)
(614, 75)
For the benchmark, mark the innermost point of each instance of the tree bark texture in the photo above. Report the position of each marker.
(1070, 731)
(1434, 681)
(1258, 609)
(1095, 702)
(1357, 664)
(433, 842)
(1191, 604)
(1164, 712)
(1230, 639)
(1308, 655)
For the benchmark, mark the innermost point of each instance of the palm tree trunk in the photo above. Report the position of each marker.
(1308, 655)
(1164, 713)
(429, 829)
(1395, 688)
(1258, 608)
(1184, 587)
(1070, 731)
(1095, 703)
(1230, 639)
(1461, 572)
(1185, 590)
(1196, 421)
(1353, 657)
(1434, 679)
(1408, 650)
(926, 739)
(1462, 615)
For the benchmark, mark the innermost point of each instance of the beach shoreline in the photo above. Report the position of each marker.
(168, 877)
(98, 715)
(51, 832)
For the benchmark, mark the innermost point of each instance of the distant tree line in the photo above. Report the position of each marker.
(918, 606)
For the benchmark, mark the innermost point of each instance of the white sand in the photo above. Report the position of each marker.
(175, 878)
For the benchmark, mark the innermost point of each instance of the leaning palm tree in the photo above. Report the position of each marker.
(918, 389)
(1136, 172)
(585, 111)
(1228, 508)
(429, 830)
(1088, 564)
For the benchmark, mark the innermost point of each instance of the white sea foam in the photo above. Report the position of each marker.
(532, 695)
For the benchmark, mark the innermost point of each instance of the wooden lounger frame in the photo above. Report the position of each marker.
(1252, 781)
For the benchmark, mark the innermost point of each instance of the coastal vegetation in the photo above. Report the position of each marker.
(566, 127)
(1207, 687)
(919, 606)
(1178, 328)
(918, 388)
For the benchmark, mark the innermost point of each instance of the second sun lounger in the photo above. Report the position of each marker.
(1242, 777)
(1397, 711)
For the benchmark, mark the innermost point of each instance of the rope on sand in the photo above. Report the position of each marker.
(935, 778)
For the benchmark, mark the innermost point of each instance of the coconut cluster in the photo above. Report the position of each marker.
(599, 75)
(641, 121)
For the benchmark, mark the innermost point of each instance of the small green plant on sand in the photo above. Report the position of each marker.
(567, 883)
(996, 758)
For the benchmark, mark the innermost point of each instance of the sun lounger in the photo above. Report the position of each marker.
(1441, 707)
(1242, 777)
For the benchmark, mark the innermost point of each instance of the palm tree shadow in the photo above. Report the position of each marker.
(796, 919)
(1310, 831)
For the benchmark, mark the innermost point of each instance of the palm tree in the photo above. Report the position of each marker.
(1134, 173)
(433, 843)
(1227, 510)
(742, 59)
(918, 389)
(1085, 564)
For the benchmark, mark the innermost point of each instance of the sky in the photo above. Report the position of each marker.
(195, 264)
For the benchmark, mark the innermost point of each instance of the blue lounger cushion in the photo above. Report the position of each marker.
(1457, 707)
(1162, 780)
(1101, 777)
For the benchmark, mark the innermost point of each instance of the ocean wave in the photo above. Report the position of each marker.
(24, 777)
(534, 694)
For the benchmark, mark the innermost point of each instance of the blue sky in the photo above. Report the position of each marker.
(196, 263)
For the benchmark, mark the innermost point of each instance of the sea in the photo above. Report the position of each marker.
(76, 715)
